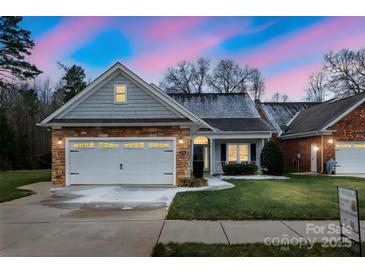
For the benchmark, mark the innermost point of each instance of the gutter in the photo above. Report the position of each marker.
(306, 134)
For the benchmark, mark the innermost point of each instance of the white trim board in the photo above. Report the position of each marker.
(67, 150)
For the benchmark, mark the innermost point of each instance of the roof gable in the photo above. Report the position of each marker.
(280, 114)
(322, 116)
(170, 106)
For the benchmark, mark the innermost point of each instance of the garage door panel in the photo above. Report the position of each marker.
(350, 157)
(127, 162)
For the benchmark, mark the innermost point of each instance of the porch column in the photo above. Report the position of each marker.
(211, 144)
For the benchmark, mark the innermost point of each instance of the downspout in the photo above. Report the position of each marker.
(321, 153)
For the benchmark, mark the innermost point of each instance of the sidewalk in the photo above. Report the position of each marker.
(239, 232)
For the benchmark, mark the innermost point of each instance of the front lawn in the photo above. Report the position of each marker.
(10, 180)
(249, 250)
(298, 198)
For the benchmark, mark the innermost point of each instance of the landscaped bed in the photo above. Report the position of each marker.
(11, 180)
(249, 250)
(297, 198)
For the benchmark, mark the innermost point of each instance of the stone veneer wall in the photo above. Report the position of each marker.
(58, 150)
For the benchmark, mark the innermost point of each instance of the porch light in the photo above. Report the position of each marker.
(59, 142)
(181, 141)
(330, 141)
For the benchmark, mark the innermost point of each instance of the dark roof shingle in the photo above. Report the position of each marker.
(240, 124)
(319, 116)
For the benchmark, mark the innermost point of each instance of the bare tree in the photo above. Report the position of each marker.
(201, 70)
(228, 77)
(345, 71)
(284, 97)
(179, 79)
(257, 89)
(275, 97)
(316, 90)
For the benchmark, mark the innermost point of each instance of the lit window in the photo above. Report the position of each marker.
(237, 152)
(108, 145)
(200, 140)
(359, 145)
(83, 145)
(243, 153)
(232, 153)
(343, 146)
(158, 145)
(120, 94)
(134, 145)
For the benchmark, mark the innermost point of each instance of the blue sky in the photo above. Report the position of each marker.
(286, 49)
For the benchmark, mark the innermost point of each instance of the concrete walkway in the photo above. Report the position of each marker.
(240, 232)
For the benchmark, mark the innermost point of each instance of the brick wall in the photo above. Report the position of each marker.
(350, 128)
(59, 135)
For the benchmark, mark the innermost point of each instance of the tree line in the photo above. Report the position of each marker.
(25, 100)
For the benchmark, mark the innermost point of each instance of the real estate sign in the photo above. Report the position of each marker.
(349, 213)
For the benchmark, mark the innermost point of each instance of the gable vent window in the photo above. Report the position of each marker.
(120, 94)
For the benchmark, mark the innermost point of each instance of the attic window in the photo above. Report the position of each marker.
(120, 94)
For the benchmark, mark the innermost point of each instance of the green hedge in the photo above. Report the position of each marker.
(239, 169)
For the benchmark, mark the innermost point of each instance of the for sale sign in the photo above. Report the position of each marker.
(349, 213)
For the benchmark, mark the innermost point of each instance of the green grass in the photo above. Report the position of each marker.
(298, 198)
(10, 180)
(249, 250)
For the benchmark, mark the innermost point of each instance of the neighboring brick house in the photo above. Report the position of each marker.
(122, 130)
(310, 134)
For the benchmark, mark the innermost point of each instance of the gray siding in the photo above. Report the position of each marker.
(100, 104)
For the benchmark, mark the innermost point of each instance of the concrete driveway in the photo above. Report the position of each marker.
(30, 228)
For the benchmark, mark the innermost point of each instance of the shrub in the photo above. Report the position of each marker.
(192, 182)
(198, 168)
(239, 169)
(272, 160)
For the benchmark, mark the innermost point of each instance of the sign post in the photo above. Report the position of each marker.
(348, 201)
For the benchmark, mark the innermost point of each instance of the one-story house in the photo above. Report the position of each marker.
(122, 130)
(309, 134)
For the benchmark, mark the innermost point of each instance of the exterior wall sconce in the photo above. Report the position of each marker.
(181, 141)
(330, 141)
(59, 142)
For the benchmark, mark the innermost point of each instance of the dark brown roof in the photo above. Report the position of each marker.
(240, 124)
(319, 116)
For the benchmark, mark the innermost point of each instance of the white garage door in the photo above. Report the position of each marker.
(350, 157)
(113, 161)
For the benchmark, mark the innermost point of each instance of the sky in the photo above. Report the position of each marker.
(286, 49)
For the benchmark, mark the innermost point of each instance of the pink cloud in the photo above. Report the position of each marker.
(304, 42)
(291, 82)
(185, 47)
(69, 34)
(170, 26)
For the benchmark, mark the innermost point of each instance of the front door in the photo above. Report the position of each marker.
(314, 150)
(201, 153)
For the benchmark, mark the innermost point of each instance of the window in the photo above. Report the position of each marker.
(237, 153)
(108, 145)
(83, 145)
(134, 145)
(120, 94)
(158, 145)
(200, 140)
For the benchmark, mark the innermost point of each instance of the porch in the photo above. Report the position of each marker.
(221, 149)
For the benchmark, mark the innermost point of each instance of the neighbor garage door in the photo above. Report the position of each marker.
(113, 161)
(350, 157)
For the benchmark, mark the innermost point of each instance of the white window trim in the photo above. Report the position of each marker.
(126, 94)
(238, 152)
